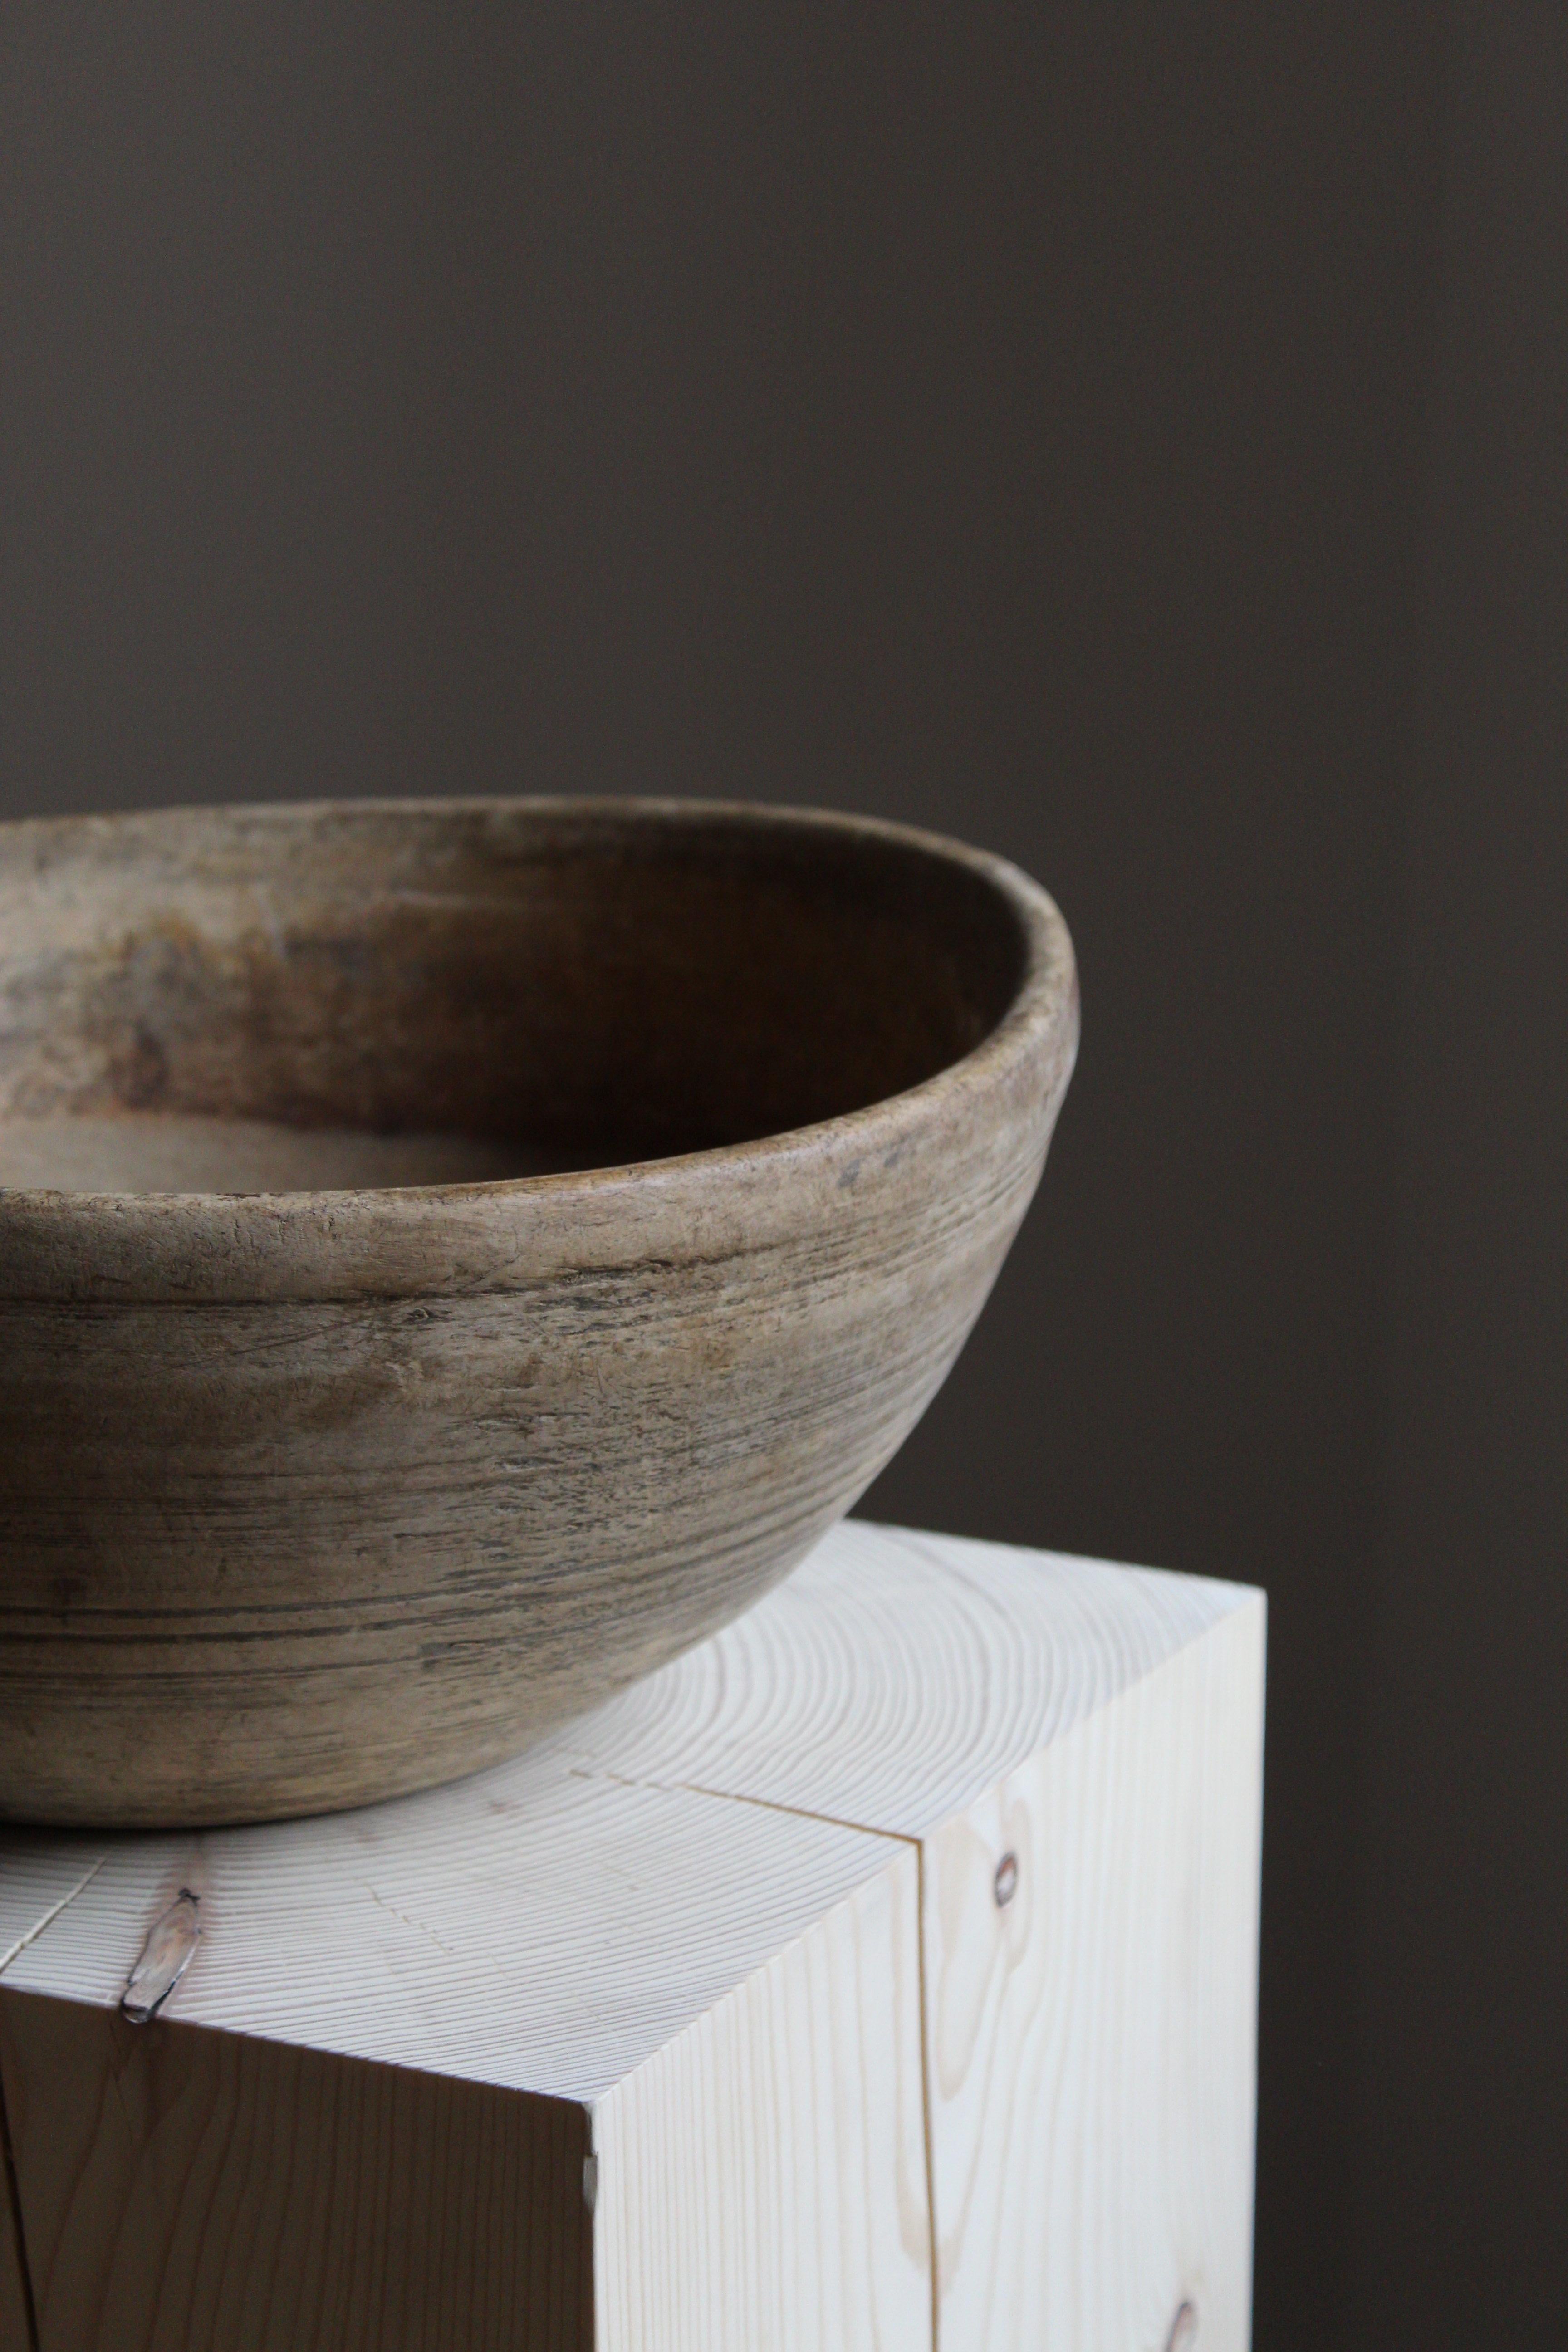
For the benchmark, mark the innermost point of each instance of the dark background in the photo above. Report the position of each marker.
(1131, 438)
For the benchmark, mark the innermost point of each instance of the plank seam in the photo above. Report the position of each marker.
(928, 2124)
(735, 1797)
(891, 1837)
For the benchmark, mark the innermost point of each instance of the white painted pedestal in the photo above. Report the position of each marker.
(881, 1975)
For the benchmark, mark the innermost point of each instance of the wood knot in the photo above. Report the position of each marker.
(1184, 2332)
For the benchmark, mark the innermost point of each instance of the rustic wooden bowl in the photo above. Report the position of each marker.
(320, 1481)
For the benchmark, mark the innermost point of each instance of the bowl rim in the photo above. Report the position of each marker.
(46, 1235)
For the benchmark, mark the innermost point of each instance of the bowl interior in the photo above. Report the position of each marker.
(282, 999)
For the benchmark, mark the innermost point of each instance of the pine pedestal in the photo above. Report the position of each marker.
(880, 1975)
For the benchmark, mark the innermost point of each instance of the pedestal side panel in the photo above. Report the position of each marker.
(762, 2180)
(186, 2191)
(1091, 1941)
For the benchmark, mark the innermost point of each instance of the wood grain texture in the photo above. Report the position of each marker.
(744, 1917)
(184, 2188)
(763, 2178)
(39, 1876)
(308, 1497)
(1092, 2042)
(897, 1676)
(537, 1927)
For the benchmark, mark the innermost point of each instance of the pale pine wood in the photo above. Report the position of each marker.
(763, 2176)
(40, 1877)
(743, 1925)
(897, 1676)
(1090, 2044)
(540, 1928)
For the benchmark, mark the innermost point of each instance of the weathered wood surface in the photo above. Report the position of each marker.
(308, 1497)
(739, 1932)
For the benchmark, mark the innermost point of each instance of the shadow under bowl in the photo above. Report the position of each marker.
(456, 1254)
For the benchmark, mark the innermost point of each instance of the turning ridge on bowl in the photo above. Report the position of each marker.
(311, 1496)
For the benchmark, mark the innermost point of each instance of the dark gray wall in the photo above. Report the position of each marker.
(1462, 2143)
(1131, 438)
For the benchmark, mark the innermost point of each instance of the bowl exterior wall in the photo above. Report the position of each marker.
(311, 1498)
(269, 1557)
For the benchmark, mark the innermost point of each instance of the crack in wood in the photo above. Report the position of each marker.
(891, 1837)
(49, 1916)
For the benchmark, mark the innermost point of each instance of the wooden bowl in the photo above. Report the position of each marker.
(454, 1255)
